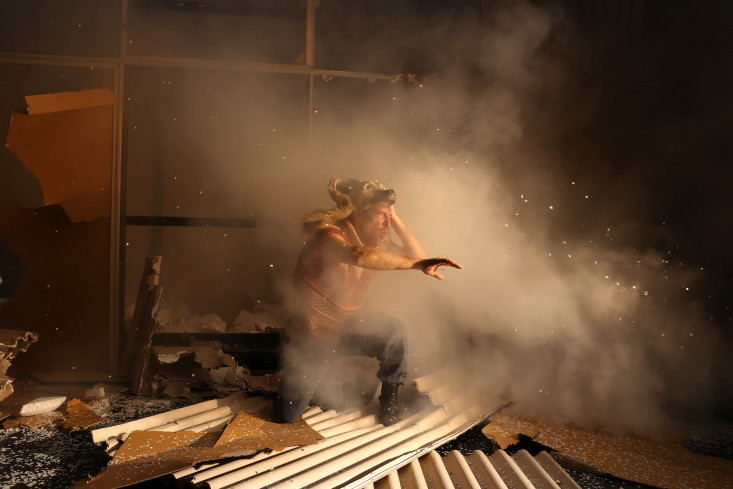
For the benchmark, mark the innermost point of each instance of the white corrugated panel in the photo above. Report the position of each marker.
(357, 450)
(454, 471)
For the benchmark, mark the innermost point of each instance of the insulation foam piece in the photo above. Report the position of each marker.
(42, 405)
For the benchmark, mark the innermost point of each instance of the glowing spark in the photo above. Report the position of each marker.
(551, 208)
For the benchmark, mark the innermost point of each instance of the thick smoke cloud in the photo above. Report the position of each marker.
(561, 306)
(557, 308)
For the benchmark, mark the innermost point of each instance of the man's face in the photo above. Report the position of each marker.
(372, 225)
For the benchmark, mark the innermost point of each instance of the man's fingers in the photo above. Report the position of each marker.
(433, 273)
(430, 266)
(449, 263)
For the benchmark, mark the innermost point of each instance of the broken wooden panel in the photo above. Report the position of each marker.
(65, 139)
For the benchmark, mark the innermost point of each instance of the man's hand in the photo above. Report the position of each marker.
(429, 266)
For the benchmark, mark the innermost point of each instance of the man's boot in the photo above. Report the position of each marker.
(388, 403)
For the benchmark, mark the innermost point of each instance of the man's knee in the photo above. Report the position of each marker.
(386, 326)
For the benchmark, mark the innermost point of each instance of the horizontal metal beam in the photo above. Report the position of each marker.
(58, 60)
(216, 222)
(201, 64)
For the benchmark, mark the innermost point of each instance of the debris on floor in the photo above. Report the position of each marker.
(79, 415)
(657, 462)
(179, 439)
(42, 405)
(33, 421)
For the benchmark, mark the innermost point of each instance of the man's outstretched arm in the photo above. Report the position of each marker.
(378, 259)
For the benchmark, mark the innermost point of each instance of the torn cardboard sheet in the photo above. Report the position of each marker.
(146, 455)
(657, 462)
(65, 139)
(12, 342)
(33, 422)
(80, 415)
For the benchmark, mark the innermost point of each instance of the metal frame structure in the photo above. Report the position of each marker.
(118, 65)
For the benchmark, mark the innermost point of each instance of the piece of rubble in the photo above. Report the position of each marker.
(96, 391)
(42, 405)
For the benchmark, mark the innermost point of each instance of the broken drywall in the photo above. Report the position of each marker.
(11, 343)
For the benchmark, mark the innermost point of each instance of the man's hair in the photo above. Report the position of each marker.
(350, 195)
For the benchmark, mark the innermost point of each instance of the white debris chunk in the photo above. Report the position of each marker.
(42, 405)
(96, 391)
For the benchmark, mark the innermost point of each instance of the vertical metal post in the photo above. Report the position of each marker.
(310, 62)
(116, 216)
(310, 34)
